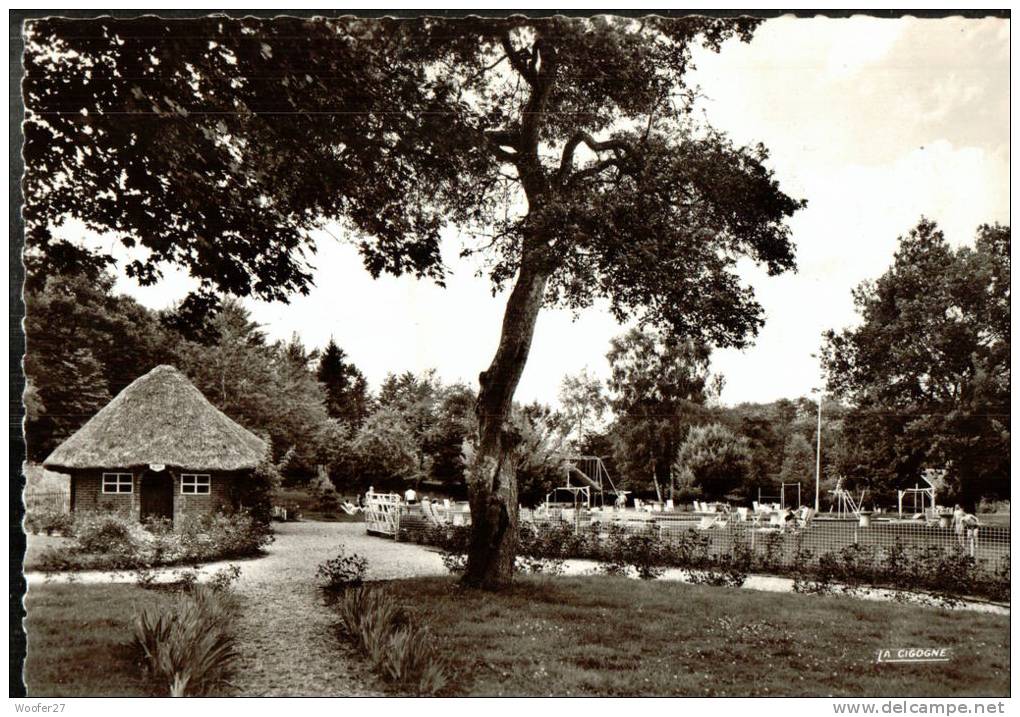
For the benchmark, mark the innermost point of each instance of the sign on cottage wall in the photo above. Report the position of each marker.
(157, 466)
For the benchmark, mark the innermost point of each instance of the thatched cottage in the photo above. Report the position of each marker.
(158, 449)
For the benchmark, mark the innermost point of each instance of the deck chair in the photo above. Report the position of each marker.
(706, 522)
(349, 508)
(806, 518)
(428, 513)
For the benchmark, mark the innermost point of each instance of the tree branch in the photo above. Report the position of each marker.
(567, 160)
(593, 170)
(485, 69)
(517, 60)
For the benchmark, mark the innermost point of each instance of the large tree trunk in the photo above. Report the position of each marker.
(492, 478)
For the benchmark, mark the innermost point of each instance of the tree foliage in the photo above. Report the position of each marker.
(658, 387)
(84, 346)
(712, 461)
(267, 387)
(346, 388)
(798, 460)
(928, 369)
(584, 403)
(194, 137)
(563, 147)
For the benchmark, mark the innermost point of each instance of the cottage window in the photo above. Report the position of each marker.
(117, 483)
(194, 483)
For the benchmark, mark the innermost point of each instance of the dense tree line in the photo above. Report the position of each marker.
(922, 382)
(86, 343)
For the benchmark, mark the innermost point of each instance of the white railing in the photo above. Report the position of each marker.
(382, 513)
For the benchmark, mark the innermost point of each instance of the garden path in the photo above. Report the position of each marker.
(286, 633)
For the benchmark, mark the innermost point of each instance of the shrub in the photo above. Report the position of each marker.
(220, 535)
(400, 651)
(48, 521)
(187, 644)
(452, 542)
(936, 571)
(322, 489)
(647, 553)
(535, 566)
(224, 578)
(186, 579)
(346, 570)
(455, 563)
(107, 533)
(258, 493)
(105, 541)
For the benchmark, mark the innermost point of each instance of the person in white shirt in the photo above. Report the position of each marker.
(410, 496)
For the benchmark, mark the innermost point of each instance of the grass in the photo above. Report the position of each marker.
(1000, 520)
(36, 545)
(614, 636)
(79, 641)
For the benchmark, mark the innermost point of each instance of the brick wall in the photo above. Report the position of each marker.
(87, 494)
(218, 496)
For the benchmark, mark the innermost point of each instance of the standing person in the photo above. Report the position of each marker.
(410, 495)
(969, 532)
(958, 527)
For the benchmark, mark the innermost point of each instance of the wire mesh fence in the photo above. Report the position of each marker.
(795, 543)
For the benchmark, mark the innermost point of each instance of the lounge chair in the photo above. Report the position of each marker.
(706, 522)
(429, 513)
(804, 517)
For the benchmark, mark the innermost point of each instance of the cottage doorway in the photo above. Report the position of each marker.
(157, 496)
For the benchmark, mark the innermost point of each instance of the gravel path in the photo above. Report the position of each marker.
(286, 634)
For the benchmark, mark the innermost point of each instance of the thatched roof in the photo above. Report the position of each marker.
(160, 418)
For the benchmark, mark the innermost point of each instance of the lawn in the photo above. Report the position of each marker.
(79, 641)
(614, 636)
(36, 545)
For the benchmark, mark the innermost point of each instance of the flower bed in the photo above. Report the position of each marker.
(110, 541)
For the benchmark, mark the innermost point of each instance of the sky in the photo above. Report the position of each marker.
(874, 122)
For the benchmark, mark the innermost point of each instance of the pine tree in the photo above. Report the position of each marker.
(345, 386)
